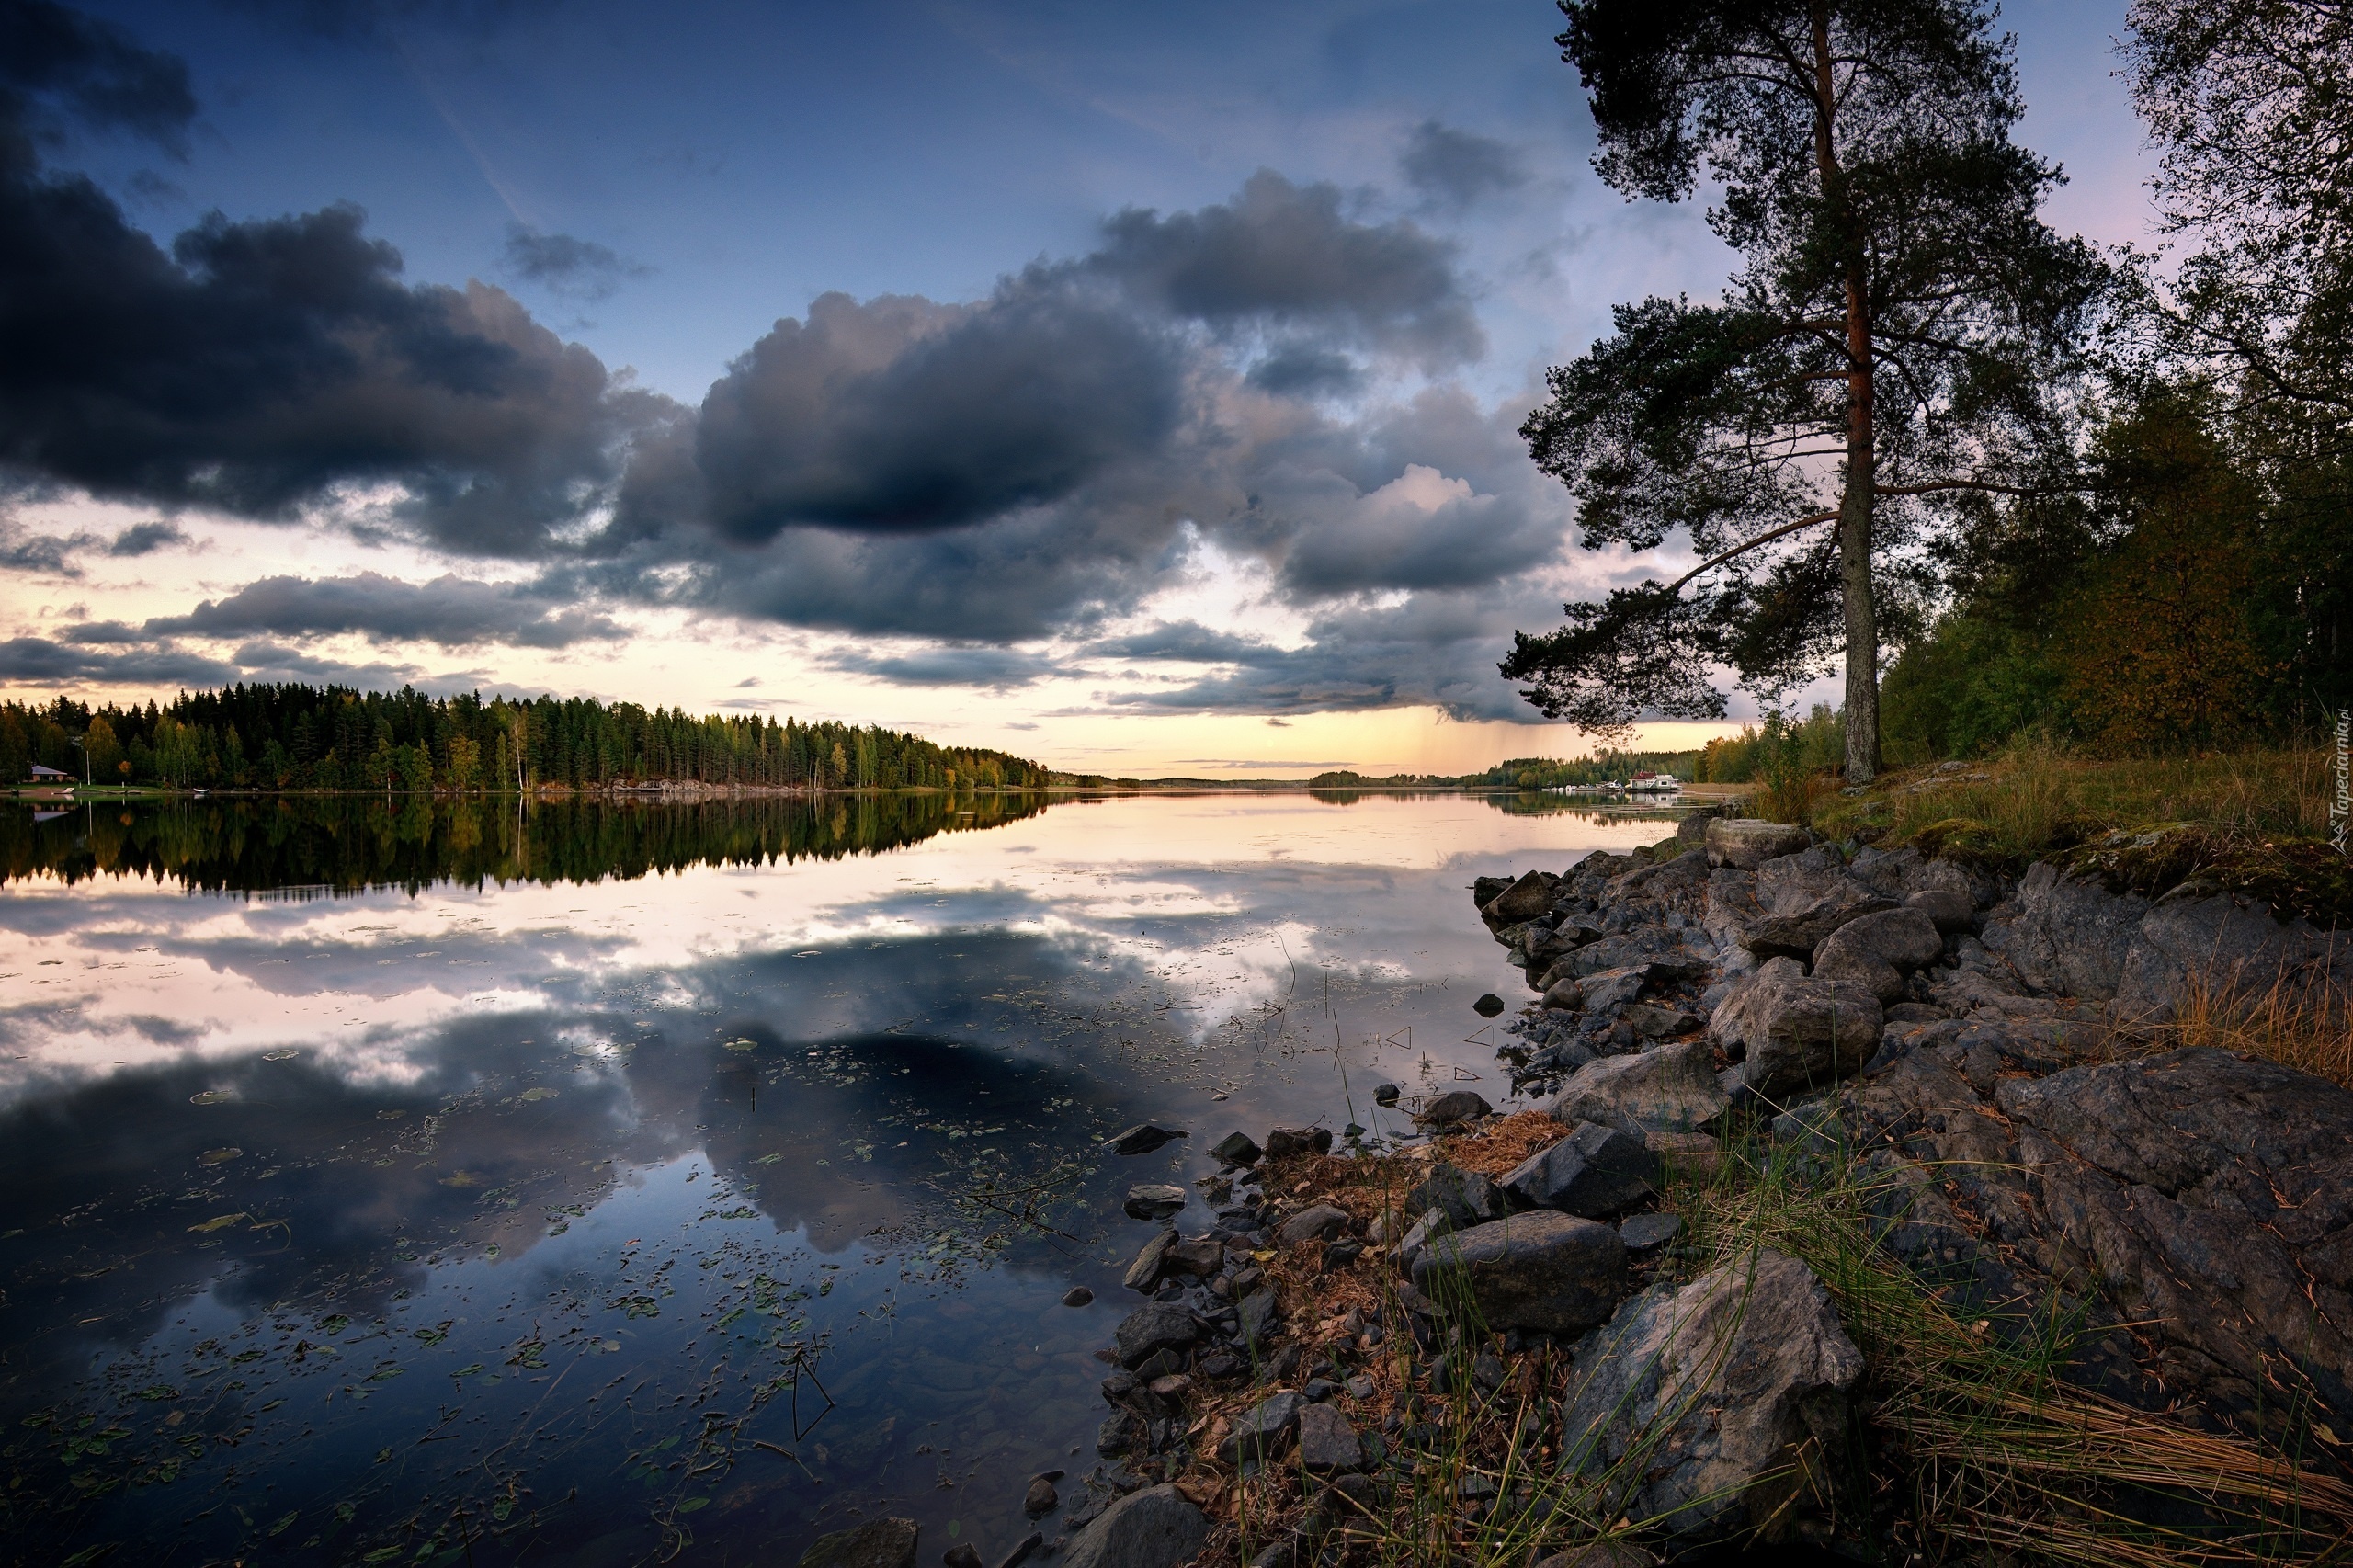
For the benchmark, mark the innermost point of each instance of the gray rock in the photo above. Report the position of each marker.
(1265, 1430)
(1041, 1498)
(1466, 1197)
(1488, 1005)
(2231, 949)
(1254, 1318)
(1434, 1223)
(1791, 1032)
(1154, 1201)
(1327, 1444)
(1157, 1326)
(1157, 1528)
(1648, 1232)
(1594, 1172)
(1123, 1432)
(1524, 900)
(1021, 1551)
(1322, 1222)
(1456, 1106)
(1876, 951)
(1235, 1149)
(1143, 1138)
(1656, 1023)
(1552, 1273)
(1733, 1389)
(1201, 1257)
(1671, 1088)
(1144, 1272)
(878, 1543)
(1746, 843)
(1285, 1142)
(1801, 932)
(1078, 1296)
(1385, 1094)
(2066, 935)
(1693, 828)
(1949, 907)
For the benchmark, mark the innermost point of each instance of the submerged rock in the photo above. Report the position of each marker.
(1154, 1201)
(1488, 1005)
(1143, 1138)
(1235, 1149)
(879, 1544)
(1724, 1402)
(1285, 1142)
(1456, 1106)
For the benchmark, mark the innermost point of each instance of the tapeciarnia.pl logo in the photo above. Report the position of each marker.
(2340, 809)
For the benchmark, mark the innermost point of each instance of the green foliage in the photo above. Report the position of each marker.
(301, 737)
(1603, 766)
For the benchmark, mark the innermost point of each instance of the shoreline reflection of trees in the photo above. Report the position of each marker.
(333, 845)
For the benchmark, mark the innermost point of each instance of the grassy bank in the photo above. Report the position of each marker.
(1968, 1443)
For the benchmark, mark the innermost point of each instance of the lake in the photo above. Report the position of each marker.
(611, 1183)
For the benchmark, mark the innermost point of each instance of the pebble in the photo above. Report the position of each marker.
(1040, 1498)
(1077, 1296)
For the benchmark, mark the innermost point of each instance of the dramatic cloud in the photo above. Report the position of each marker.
(262, 366)
(35, 661)
(996, 668)
(1281, 255)
(450, 612)
(582, 269)
(57, 66)
(901, 413)
(22, 550)
(1456, 168)
(145, 538)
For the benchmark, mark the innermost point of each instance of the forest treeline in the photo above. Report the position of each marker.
(296, 737)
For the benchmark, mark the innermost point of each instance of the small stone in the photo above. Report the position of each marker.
(1235, 1149)
(1155, 1201)
(1487, 1371)
(1648, 1232)
(1487, 1007)
(1255, 1317)
(1144, 1272)
(1152, 1328)
(962, 1556)
(879, 1544)
(1077, 1296)
(1322, 1222)
(1199, 1258)
(1175, 1385)
(1453, 1108)
(1385, 1094)
(1467, 1196)
(1143, 1138)
(1266, 1430)
(1327, 1444)
(1285, 1142)
(1123, 1432)
(1360, 1387)
(1040, 1498)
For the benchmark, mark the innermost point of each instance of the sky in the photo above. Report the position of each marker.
(1131, 387)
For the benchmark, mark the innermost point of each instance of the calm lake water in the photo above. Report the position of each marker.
(611, 1184)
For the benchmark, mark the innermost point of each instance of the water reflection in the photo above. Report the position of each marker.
(659, 1214)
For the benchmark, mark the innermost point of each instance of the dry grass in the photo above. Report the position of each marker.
(2309, 1028)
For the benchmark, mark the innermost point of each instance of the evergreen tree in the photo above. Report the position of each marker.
(1885, 361)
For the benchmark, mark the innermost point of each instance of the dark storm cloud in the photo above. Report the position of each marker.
(261, 366)
(1455, 168)
(265, 660)
(996, 668)
(451, 611)
(580, 268)
(1283, 255)
(58, 66)
(38, 661)
(898, 414)
(1181, 640)
(145, 538)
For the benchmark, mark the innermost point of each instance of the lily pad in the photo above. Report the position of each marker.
(220, 1156)
(213, 1096)
(531, 1096)
(462, 1179)
(743, 1045)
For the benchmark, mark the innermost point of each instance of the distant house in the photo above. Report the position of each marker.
(49, 775)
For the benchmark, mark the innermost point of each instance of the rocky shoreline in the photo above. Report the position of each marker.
(1517, 1306)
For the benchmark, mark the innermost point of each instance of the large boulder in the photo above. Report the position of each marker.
(2230, 949)
(1524, 900)
(1718, 1407)
(1791, 1031)
(1595, 1172)
(878, 1543)
(2066, 935)
(1876, 951)
(1157, 1528)
(1671, 1088)
(1552, 1273)
(1748, 842)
